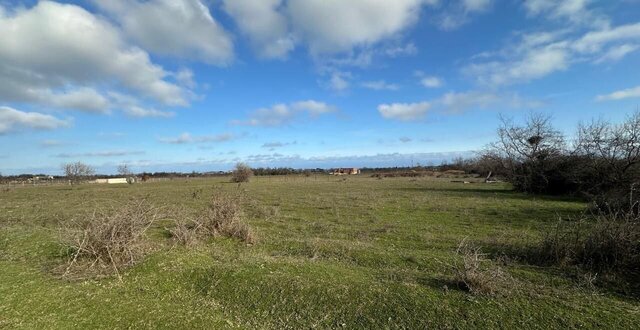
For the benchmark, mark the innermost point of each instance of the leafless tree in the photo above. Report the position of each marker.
(610, 154)
(528, 152)
(123, 170)
(77, 171)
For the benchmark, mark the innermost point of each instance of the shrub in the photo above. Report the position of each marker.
(223, 216)
(474, 273)
(111, 239)
(241, 173)
(606, 243)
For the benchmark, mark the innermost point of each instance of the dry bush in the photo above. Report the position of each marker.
(223, 216)
(476, 274)
(241, 173)
(607, 242)
(112, 239)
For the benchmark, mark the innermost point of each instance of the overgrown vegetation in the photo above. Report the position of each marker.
(222, 216)
(110, 239)
(606, 243)
(601, 165)
(241, 173)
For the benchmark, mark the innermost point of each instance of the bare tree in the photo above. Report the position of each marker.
(77, 171)
(611, 156)
(528, 153)
(123, 170)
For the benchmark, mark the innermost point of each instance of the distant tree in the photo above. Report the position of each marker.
(241, 173)
(123, 170)
(77, 171)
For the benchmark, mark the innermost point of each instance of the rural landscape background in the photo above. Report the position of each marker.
(292, 164)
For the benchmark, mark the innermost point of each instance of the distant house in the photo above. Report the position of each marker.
(346, 171)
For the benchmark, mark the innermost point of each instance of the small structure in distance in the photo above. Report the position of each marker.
(345, 171)
(115, 180)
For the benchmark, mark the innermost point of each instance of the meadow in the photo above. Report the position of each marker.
(329, 252)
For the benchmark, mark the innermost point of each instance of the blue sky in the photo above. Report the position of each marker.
(200, 85)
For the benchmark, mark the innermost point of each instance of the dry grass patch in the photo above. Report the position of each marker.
(475, 273)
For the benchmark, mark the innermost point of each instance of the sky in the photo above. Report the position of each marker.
(199, 85)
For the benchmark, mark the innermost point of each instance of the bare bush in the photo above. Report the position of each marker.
(111, 239)
(476, 274)
(241, 173)
(607, 242)
(223, 216)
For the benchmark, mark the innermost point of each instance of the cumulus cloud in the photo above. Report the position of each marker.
(353, 23)
(186, 138)
(12, 120)
(282, 114)
(179, 28)
(266, 27)
(620, 95)
(404, 111)
(56, 54)
(380, 85)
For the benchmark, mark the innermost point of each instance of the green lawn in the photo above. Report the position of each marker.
(360, 253)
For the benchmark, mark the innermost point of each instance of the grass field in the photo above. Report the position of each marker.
(360, 253)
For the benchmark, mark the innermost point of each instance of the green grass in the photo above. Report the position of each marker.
(360, 253)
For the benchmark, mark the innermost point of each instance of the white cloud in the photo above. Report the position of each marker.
(406, 50)
(352, 23)
(574, 11)
(616, 53)
(535, 63)
(620, 95)
(14, 120)
(140, 112)
(537, 55)
(265, 26)
(457, 13)
(180, 28)
(594, 41)
(108, 153)
(380, 85)
(60, 52)
(431, 82)
(82, 98)
(282, 114)
(313, 108)
(339, 81)
(404, 111)
(186, 138)
(456, 103)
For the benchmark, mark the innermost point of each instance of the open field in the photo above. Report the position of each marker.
(330, 253)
